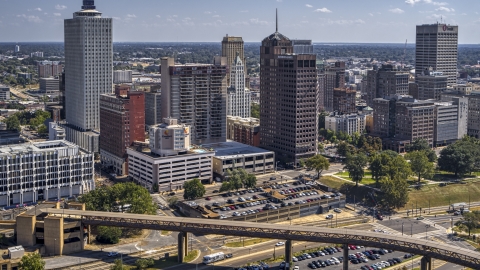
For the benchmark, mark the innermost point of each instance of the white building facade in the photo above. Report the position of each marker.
(348, 123)
(239, 98)
(44, 171)
(88, 66)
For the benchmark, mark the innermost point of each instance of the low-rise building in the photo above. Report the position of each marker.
(233, 155)
(42, 171)
(169, 160)
(49, 85)
(10, 136)
(431, 84)
(4, 92)
(347, 123)
(244, 130)
(122, 76)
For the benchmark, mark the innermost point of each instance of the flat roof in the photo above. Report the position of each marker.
(38, 147)
(230, 149)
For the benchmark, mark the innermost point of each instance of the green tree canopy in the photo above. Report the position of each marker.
(355, 165)
(379, 165)
(398, 167)
(144, 263)
(420, 164)
(460, 158)
(344, 149)
(108, 235)
(318, 163)
(470, 221)
(255, 110)
(395, 191)
(118, 265)
(13, 123)
(108, 199)
(193, 189)
(32, 261)
(420, 144)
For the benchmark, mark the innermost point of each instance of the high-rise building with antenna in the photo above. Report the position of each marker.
(437, 48)
(288, 96)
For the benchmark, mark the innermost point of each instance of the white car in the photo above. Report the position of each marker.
(294, 259)
(386, 263)
(296, 267)
(280, 244)
(112, 254)
(307, 255)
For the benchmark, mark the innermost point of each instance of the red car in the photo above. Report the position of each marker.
(208, 198)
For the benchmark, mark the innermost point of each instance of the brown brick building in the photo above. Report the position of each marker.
(122, 122)
(344, 100)
(331, 77)
(243, 130)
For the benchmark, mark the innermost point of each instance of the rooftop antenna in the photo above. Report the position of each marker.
(276, 20)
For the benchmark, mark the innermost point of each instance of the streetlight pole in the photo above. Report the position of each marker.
(402, 228)
(411, 230)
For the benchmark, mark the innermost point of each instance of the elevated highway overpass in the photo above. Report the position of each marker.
(425, 248)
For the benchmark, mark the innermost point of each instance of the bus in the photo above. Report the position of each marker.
(213, 258)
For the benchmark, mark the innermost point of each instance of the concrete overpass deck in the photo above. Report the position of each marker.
(428, 249)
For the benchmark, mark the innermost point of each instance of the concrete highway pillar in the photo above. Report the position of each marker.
(181, 246)
(288, 251)
(345, 257)
(426, 263)
(186, 244)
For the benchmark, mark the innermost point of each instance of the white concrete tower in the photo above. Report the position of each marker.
(239, 98)
(88, 66)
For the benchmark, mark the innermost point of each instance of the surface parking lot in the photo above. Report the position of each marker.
(268, 197)
(331, 258)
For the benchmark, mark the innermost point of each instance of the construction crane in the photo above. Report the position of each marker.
(404, 54)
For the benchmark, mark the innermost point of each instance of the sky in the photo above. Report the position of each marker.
(351, 21)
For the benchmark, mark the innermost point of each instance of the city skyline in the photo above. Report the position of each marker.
(319, 21)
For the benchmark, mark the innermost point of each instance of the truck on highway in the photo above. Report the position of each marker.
(213, 258)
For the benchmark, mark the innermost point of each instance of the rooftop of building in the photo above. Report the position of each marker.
(35, 147)
(231, 149)
(143, 148)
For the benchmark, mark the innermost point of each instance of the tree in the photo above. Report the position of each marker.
(395, 191)
(301, 163)
(13, 123)
(108, 198)
(470, 221)
(321, 148)
(420, 144)
(355, 166)
(379, 165)
(344, 149)
(108, 235)
(193, 189)
(118, 265)
(321, 119)
(398, 167)
(420, 164)
(226, 186)
(250, 181)
(144, 263)
(234, 178)
(460, 158)
(255, 110)
(318, 163)
(32, 261)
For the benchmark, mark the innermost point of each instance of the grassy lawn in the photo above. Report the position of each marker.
(247, 242)
(347, 188)
(165, 232)
(446, 176)
(367, 179)
(439, 196)
(171, 261)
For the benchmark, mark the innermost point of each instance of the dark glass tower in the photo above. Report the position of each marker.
(288, 95)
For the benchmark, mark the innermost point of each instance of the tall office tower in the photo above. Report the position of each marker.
(88, 66)
(431, 85)
(238, 98)
(437, 48)
(288, 96)
(17, 48)
(48, 68)
(196, 95)
(122, 121)
(230, 47)
(384, 82)
(333, 77)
